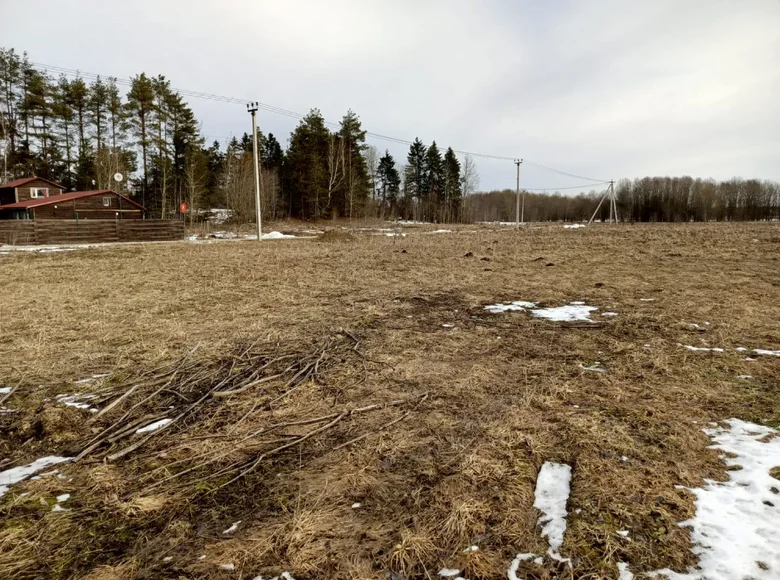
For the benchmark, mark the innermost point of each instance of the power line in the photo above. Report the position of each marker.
(294, 115)
(570, 187)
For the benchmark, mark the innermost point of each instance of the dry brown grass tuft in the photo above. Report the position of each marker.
(433, 476)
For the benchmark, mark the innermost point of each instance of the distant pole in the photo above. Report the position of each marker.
(252, 108)
(614, 199)
(519, 210)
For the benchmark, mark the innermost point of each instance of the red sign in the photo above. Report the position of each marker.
(183, 207)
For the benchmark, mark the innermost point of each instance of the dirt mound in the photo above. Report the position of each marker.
(336, 235)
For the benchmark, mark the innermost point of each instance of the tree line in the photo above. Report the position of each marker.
(81, 134)
(648, 199)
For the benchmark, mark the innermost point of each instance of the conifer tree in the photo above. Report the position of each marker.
(389, 183)
(434, 184)
(452, 186)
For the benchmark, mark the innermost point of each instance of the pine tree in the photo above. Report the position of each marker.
(389, 182)
(10, 81)
(416, 174)
(356, 179)
(98, 109)
(139, 107)
(64, 112)
(305, 169)
(452, 186)
(272, 154)
(434, 184)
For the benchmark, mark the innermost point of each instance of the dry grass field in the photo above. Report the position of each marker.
(351, 402)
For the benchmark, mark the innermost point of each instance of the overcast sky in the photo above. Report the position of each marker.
(605, 89)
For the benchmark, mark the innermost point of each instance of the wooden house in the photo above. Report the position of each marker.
(28, 188)
(101, 204)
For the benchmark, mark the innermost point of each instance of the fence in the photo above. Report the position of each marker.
(24, 232)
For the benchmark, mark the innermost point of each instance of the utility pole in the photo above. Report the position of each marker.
(519, 212)
(252, 108)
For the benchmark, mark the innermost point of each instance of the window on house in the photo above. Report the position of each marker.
(107, 201)
(39, 192)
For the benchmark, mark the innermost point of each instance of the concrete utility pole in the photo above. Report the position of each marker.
(519, 212)
(252, 108)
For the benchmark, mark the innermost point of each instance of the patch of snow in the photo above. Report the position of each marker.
(356, 505)
(569, 313)
(472, 549)
(441, 232)
(512, 572)
(58, 508)
(624, 572)
(448, 572)
(551, 495)
(737, 524)
(577, 303)
(63, 497)
(5, 390)
(218, 215)
(393, 235)
(594, 368)
(539, 561)
(647, 299)
(765, 352)
(573, 226)
(701, 348)
(448, 325)
(76, 401)
(228, 566)
(203, 557)
(232, 528)
(623, 533)
(17, 474)
(624, 459)
(750, 359)
(741, 349)
(167, 558)
(609, 313)
(275, 236)
(511, 306)
(744, 377)
(154, 426)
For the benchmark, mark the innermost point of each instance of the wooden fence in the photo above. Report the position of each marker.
(33, 232)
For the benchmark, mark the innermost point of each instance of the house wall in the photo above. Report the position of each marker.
(24, 193)
(89, 208)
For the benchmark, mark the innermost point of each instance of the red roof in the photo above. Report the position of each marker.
(37, 202)
(24, 180)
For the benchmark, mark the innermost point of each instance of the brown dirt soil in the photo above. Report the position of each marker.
(303, 378)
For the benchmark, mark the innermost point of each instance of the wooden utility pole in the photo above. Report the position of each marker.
(252, 108)
(519, 210)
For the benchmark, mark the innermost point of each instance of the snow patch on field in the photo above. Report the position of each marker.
(551, 494)
(77, 401)
(701, 348)
(5, 390)
(736, 528)
(624, 572)
(232, 528)
(573, 312)
(574, 226)
(16, 474)
(765, 352)
(570, 313)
